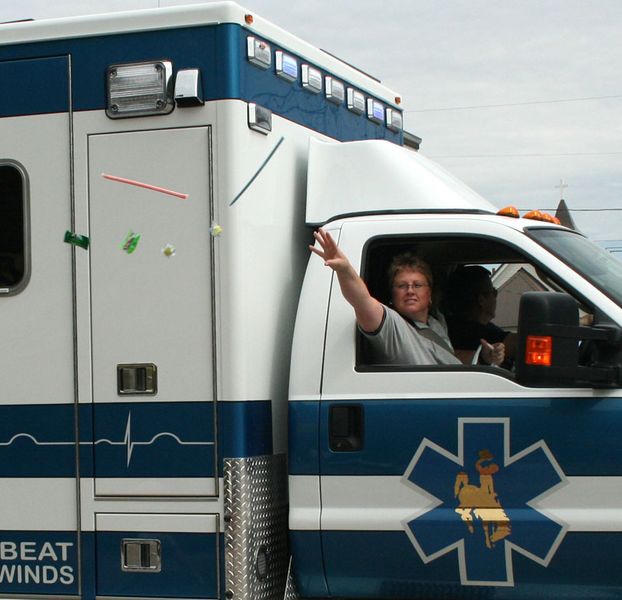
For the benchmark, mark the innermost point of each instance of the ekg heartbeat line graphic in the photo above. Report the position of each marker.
(126, 441)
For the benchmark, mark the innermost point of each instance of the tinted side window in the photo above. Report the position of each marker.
(13, 229)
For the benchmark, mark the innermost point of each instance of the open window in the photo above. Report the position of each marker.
(511, 275)
(14, 254)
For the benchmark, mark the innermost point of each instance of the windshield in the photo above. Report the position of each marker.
(597, 265)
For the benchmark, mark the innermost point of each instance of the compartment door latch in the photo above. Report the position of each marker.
(141, 556)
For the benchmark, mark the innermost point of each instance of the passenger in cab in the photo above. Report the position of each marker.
(472, 302)
(404, 333)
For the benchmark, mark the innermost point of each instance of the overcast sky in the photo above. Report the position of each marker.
(509, 96)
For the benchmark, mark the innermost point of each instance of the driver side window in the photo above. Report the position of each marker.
(478, 284)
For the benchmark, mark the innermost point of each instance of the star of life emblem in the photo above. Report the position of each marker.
(482, 502)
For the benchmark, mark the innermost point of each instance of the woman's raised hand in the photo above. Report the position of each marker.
(328, 251)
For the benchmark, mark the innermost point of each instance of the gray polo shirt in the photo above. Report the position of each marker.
(397, 342)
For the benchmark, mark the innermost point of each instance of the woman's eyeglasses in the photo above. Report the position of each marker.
(403, 287)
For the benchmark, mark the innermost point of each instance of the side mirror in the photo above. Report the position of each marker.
(550, 341)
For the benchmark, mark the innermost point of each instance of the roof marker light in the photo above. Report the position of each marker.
(509, 211)
(311, 79)
(248, 19)
(258, 52)
(550, 218)
(139, 89)
(539, 350)
(538, 215)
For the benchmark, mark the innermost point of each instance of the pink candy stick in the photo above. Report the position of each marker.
(147, 186)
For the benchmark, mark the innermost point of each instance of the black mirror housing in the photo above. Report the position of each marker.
(549, 337)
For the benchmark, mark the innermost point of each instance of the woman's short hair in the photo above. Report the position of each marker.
(411, 262)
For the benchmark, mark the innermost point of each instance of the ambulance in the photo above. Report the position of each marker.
(187, 410)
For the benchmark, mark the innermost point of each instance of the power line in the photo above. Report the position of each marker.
(534, 155)
(506, 104)
(573, 210)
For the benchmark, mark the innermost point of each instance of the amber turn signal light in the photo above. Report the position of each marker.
(539, 350)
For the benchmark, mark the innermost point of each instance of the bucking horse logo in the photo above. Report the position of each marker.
(481, 502)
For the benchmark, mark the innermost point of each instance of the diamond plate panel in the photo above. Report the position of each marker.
(256, 556)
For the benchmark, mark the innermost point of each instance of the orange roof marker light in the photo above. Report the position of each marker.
(538, 215)
(509, 211)
(249, 19)
(550, 219)
(539, 350)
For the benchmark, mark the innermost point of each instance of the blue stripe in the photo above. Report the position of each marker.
(582, 433)
(35, 562)
(189, 566)
(245, 428)
(146, 439)
(88, 565)
(308, 568)
(37, 441)
(153, 439)
(219, 51)
(303, 457)
(386, 565)
(34, 86)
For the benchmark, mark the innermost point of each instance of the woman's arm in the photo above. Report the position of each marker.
(369, 312)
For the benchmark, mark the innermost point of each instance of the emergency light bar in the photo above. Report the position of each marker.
(375, 111)
(286, 66)
(139, 89)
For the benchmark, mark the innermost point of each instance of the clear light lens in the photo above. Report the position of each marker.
(394, 120)
(139, 89)
(356, 101)
(311, 79)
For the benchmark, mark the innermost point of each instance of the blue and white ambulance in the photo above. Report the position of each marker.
(187, 410)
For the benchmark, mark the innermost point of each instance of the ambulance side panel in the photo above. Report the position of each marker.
(38, 454)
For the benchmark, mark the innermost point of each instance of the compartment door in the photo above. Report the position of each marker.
(151, 302)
